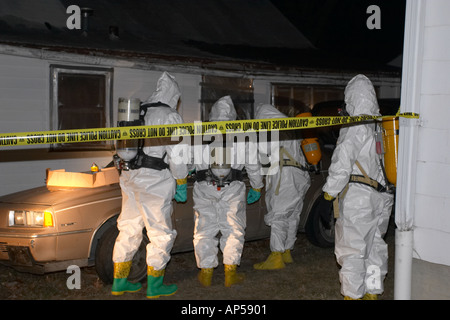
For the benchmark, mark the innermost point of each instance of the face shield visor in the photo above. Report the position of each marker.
(221, 162)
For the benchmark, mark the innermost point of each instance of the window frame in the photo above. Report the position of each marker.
(211, 83)
(108, 73)
(312, 88)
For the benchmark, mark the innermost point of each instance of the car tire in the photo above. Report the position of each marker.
(103, 258)
(316, 231)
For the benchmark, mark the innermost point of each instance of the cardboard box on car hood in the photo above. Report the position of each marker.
(62, 179)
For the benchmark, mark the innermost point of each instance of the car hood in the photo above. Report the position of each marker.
(44, 196)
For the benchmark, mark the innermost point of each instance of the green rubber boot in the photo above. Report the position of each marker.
(155, 286)
(120, 283)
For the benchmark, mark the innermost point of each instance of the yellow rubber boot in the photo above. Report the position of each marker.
(231, 275)
(273, 262)
(370, 296)
(350, 298)
(205, 276)
(120, 283)
(287, 258)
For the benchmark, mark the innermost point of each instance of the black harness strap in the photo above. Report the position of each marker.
(144, 107)
(207, 175)
(142, 160)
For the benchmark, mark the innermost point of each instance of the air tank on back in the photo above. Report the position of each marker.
(128, 111)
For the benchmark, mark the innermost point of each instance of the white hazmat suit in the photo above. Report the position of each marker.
(286, 186)
(221, 209)
(364, 212)
(147, 193)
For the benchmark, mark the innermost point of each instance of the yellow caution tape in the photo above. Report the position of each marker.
(184, 129)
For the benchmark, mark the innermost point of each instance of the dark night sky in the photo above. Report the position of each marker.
(339, 26)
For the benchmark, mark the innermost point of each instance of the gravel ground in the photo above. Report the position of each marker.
(313, 276)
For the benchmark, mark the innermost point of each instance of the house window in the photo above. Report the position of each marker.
(295, 99)
(81, 99)
(239, 89)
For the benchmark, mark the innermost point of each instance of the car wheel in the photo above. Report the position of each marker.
(318, 231)
(103, 258)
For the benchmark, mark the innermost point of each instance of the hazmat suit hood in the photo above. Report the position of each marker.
(267, 111)
(360, 97)
(223, 110)
(167, 91)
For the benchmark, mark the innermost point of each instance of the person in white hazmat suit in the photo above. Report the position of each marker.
(287, 182)
(364, 211)
(222, 208)
(147, 194)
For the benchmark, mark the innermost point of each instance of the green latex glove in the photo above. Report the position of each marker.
(181, 191)
(253, 195)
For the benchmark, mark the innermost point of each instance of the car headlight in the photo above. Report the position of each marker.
(28, 218)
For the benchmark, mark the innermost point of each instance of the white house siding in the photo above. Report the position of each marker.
(24, 86)
(432, 191)
(432, 222)
(24, 106)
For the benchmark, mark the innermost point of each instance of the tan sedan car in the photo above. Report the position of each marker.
(45, 231)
